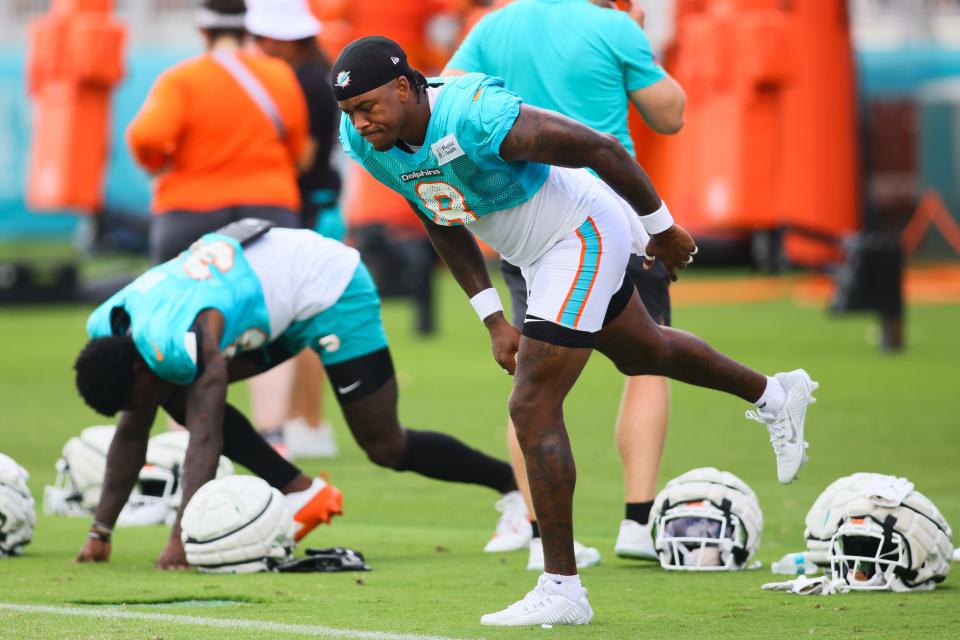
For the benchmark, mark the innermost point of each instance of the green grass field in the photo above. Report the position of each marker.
(891, 414)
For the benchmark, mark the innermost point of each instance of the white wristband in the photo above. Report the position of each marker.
(658, 221)
(486, 303)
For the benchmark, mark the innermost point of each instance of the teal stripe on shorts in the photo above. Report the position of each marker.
(590, 262)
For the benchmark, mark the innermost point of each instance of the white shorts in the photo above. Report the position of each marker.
(572, 283)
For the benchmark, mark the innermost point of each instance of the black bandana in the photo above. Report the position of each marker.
(366, 64)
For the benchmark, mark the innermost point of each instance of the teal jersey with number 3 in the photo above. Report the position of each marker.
(163, 303)
(457, 176)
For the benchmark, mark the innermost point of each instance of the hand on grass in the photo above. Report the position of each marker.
(94, 551)
(173, 556)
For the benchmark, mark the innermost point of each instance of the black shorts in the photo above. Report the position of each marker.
(351, 379)
(354, 379)
(653, 285)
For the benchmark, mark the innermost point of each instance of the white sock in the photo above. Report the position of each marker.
(297, 499)
(773, 398)
(567, 586)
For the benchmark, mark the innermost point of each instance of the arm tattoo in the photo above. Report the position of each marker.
(547, 137)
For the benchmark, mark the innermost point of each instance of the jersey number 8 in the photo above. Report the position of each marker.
(445, 202)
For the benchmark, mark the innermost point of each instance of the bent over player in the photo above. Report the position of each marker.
(237, 303)
(468, 154)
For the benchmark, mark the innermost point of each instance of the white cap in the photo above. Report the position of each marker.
(281, 19)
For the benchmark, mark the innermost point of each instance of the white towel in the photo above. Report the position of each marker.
(804, 586)
(890, 491)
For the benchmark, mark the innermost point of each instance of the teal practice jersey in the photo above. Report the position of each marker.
(163, 303)
(569, 56)
(457, 176)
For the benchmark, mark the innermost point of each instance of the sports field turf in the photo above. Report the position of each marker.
(891, 414)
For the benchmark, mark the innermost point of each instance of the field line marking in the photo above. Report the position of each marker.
(222, 623)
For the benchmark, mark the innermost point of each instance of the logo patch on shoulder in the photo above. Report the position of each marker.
(343, 79)
(447, 149)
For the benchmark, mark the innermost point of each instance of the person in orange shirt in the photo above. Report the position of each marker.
(224, 133)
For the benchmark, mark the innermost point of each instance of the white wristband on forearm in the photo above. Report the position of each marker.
(658, 221)
(486, 303)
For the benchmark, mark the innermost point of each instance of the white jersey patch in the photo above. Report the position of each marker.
(446, 149)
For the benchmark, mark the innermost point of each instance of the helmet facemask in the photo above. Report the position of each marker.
(155, 497)
(866, 556)
(63, 497)
(698, 536)
(80, 472)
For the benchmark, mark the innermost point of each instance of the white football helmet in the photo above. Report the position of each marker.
(156, 496)
(237, 524)
(876, 532)
(706, 520)
(17, 517)
(80, 471)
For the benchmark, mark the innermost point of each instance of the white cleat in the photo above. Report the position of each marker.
(304, 441)
(542, 606)
(635, 541)
(514, 531)
(786, 427)
(586, 556)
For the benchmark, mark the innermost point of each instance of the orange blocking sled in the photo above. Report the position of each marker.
(75, 60)
(770, 134)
